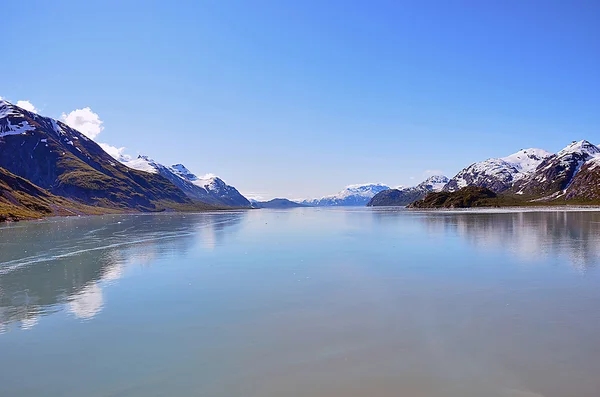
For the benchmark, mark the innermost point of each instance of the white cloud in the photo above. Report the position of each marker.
(89, 124)
(85, 121)
(27, 106)
(434, 172)
(117, 153)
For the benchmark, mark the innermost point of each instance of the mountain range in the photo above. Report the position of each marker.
(277, 203)
(405, 196)
(528, 177)
(352, 195)
(209, 189)
(59, 161)
(49, 168)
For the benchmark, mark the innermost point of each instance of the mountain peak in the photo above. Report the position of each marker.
(209, 188)
(181, 171)
(526, 160)
(584, 147)
(181, 168)
(4, 104)
(361, 185)
(142, 163)
(556, 173)
(499, 174)
(14, 120)
(434, 182)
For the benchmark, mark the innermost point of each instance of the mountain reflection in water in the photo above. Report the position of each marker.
(64, 263)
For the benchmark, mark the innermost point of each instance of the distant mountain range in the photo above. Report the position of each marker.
(352, 195)
(405, 196)
(280, 203)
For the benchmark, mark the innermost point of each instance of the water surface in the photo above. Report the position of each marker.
(306, 302)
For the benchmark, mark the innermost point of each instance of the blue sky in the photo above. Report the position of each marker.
(300, 98)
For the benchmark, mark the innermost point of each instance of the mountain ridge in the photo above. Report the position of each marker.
(278, 203)
(351, 195)
(405, 196)
(211, 190)
(60, 159)
(554, 176)
(498, 174)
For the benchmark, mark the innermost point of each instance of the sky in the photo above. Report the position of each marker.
(298, 99)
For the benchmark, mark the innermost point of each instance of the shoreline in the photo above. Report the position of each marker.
(525, 208)
(81, 215)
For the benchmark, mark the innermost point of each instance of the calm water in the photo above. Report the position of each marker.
(299, 303)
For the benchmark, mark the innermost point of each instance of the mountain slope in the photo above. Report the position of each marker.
(211, 190)
(60, 159)
(499, 174)
(553, 177)
(21, 199)
(405, 196)
(352, 195)
(585, 185)
(467, 197)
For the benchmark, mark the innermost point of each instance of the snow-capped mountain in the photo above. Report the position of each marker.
(405, 196)
(209, 189)
(434, 183)
(214, 185)
(555, 175)
(499, 174)
(352, 195)
(585, 185)
(58, 158)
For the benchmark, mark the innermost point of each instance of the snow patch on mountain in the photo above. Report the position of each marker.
(526, 161)
(6, 125)
(6, 109)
